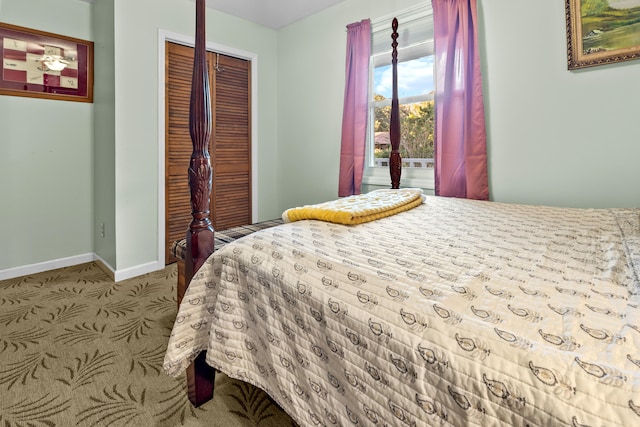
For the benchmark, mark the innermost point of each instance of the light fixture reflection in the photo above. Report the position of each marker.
(54, 62)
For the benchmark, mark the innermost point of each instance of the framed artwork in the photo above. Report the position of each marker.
(602, 32)
(43, 65)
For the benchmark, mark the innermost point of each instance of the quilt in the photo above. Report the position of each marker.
(456, 312)
(359, 208)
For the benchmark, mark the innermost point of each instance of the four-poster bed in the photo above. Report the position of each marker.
(454, 311)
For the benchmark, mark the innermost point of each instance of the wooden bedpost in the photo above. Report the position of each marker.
(395, 161)
(199, 246)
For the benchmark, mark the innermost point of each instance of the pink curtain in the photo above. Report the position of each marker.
(354, 116)
(460, 141)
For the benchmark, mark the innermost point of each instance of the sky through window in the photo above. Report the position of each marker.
(415, 77)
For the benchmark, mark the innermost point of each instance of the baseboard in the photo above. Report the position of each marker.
(25, 270)
(115, 275)
(137, 270)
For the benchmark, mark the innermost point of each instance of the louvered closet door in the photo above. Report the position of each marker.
(230, 139)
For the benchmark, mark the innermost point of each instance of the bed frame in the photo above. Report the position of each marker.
(200, 234)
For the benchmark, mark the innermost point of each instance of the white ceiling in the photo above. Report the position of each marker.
(271, 13)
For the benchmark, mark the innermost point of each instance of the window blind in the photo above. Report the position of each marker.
(415, 34)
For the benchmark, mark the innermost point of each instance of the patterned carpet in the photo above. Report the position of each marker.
(77, 349)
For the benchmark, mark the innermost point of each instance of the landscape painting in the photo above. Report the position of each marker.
(602, 32)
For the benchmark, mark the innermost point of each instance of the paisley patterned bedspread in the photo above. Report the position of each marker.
(457, 312)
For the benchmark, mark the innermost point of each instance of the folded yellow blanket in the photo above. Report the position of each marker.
(360, 208)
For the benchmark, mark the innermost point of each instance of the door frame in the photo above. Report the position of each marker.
(167, 36)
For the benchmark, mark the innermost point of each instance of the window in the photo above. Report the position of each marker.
(415, 93)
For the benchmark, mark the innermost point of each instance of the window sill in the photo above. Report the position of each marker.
(414, 178)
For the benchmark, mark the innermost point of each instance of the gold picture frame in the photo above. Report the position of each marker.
(38, 64)
(602, 32)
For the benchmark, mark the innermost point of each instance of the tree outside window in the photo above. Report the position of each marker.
(415, 92)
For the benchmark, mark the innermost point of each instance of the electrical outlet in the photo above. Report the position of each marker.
(102, 229)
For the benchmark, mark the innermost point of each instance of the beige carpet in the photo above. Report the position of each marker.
(77, 349)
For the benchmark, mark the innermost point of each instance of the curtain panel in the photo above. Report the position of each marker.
(354, 116)
(460, 134)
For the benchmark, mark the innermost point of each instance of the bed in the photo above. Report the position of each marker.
(453, 312)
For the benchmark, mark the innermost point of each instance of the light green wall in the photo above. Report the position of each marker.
(137, 24)
(46, 208)
(66, 188)
(555, 136)
(311, 69)
(104, 162)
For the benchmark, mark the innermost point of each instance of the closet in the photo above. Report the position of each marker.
(230, 143)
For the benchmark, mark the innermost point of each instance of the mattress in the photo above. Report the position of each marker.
(457, 312)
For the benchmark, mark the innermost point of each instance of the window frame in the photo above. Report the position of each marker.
(380, 176)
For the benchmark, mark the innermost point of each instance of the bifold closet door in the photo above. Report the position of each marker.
(230, 144)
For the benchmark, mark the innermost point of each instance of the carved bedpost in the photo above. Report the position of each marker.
(395, 161)
(199, 246)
